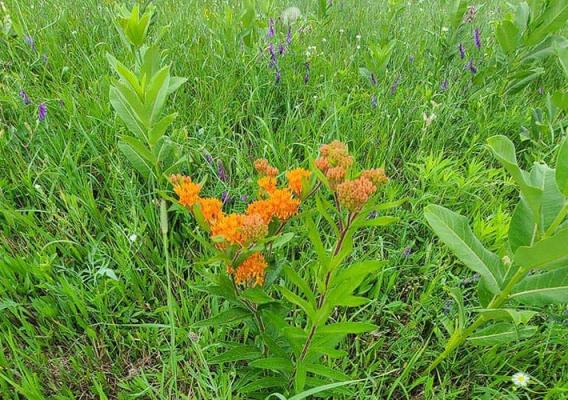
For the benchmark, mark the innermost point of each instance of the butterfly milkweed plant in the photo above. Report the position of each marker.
(283, 306)
(534, 271)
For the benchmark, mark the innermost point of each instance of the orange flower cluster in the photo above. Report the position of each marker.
(334, 161)
(244, 230)
(187, 191)
(251, 271)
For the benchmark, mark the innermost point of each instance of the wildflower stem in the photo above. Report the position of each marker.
(460, 335)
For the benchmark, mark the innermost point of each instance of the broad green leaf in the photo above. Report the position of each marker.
(281, 240)
(125, 112)
(504, 151)
(516, 316)
(264, 383)
(230, 316)
(139, 163)
(273, 363)
(236, 353)
(175, 83)
(562, 167)
(352, 301)
(157, 92)
(454, 231)
(549, 253)
(321, 370)
(348, 279)
(542, 289)
(340, 328)
(507, 34)
(501, 333)
(552, 200)
(139, 148)
(554, 18)
(166, 151)
(151, 61)
(522, 79)
(522, 228)
(158, 129)
(300, 376)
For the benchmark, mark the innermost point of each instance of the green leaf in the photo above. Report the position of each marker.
(323, 388)
(273, 363)
(125, 112)
(553, 19)
(348, 279)
(454, 231)
(140, 164)
(507, 34)
(293, 276)
(236, 353)
(562, 167)
(522, 229)
(321, 370)
(501, 333)
(315, 238)
(300, 376)
(341, 328)
(303, 304)
(552, 200)
(157, 92)
(542, 289)
(160, 128)
(175, 83)
(546, 254)
(264, 383)
(516, 316)
(230, 316)
(139, 148)
(257, 296)
(504, 151)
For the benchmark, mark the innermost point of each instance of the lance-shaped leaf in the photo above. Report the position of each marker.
(562, 168)
(342, 328)
(522, 228)
(454, 231)
(552, 200)
(237, 353)
(549, 253)
(504, 151)
(542, 289)
(516, 316)
(501, 333)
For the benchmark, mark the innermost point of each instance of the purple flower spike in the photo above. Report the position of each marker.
(208, 158)
(289, 36)
(444, 85)
(244, 198)
(394, 86)
(407, 251)
(477, 38)
(411, 59)
(280, 49)
(307, 75)
(41, 112)
(278, 76)
(273, 60)
(471, 66)
(25, 98)
(221, 171)
(374, 101)
(271, 32)
(373, 79)
(462, 51)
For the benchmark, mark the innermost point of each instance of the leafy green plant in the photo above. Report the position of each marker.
(536, 272)
(139, 96)
(527, 36)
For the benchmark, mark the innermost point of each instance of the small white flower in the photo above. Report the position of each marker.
(290, 15)
(324, 40)
(445, 29)
(38, 187)
(341, 30)
(358, 47)
(73, 33)
(521, 379)
(358, 37)
(132, 238)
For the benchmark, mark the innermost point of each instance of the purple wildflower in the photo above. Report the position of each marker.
(471, 66)
(30, 42)
(407, 251)
(477, 38)
(278, 76)
(273, 60)
(271, 32)
(221, 171)
(373, 79)
(374, 102)
(244, 198)
(411, 59)
(444, 85)
(25, 98)
(307, 75)
(462, 51)
(280, 49)
(208, 158)
(373, 214)
(41, 112)
(289, 36)
(394, 85)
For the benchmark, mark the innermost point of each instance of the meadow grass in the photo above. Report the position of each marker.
(83, 302)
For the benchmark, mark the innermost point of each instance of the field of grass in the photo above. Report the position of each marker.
(85, 284)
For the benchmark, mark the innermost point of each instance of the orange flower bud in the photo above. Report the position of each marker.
(187, 191)
(264, 168)
(295, 179)
(211, 209)
(253, 228)
(376, 175)
(251, 271)
(267, 184)
(353, 194)
(228, 227)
